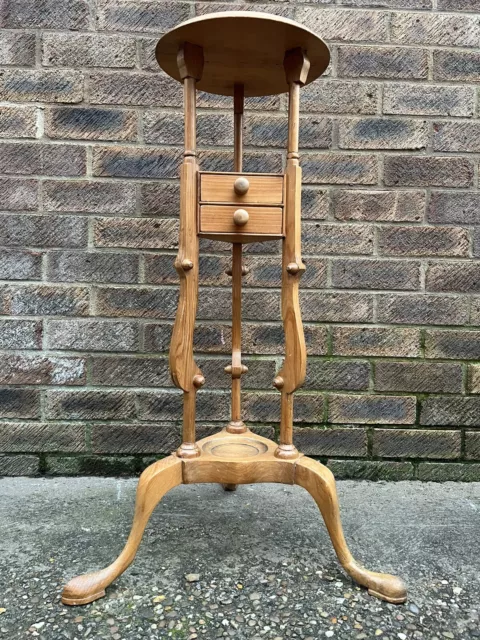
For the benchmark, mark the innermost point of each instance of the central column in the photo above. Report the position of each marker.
(236, 369)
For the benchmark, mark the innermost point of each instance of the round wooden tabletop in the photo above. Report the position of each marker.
(243, 47)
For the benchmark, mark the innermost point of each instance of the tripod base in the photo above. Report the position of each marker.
(230, 460)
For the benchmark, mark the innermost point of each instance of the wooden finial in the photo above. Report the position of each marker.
(190, 61)
(296, 65)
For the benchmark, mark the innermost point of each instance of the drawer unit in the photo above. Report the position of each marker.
(218, 218)
(241, 187)
(241, 207)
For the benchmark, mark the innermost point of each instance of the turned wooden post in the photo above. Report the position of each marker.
(184, 371)
(237, 369)
(292, 374)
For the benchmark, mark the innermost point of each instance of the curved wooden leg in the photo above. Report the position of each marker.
(318, 480)
(153, 484)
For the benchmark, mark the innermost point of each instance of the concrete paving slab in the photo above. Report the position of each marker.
(265, 565)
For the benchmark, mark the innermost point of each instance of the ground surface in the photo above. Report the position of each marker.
(261, 560)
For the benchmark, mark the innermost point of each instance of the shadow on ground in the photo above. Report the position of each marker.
(262, 563)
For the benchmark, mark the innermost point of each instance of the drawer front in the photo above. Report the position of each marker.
(216, 218)
(217, 187)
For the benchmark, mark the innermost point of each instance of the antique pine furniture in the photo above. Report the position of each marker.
(238, 54)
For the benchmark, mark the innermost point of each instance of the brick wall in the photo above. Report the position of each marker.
(91, 141)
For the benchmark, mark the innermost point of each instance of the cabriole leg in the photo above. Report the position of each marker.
(318, 480)
(153, 484)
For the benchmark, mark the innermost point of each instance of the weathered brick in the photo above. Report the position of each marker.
(215, 101)
(30, 158)
(418, 377)
(75, 266)
(383, 133)
(20, 265)
(43, 231)
(114, 371)
(342, 375)
(425, 171)
(371, 470)
(167, 128)
(435, 29)
(48, 300)
(18, 122)
(91, 123)
(18, 195)
(389, 4)
(131, 162)
(19, 403)
(413, 443)
(253, 162)
(457, 5)
(321, 238)
(452, 411)
(19, 465)
(18, 48)
(375, 274)
(428, 100)
(376, 341)
(475, 311)
(473, 378)
(456, 65)
(20, 334)
(315, 203)
(85, 196)
(41, 437)
(45, 14)
(256, 339)
(371, 409)
(422, 309)
(136, 234)
(142, 89)
(91, 466)
(135, 439)
(340, 168)
(381, 206)
(472, 445)
(92, 335)
(461, 345)
(45, 85)
(447, 471)
(452, 207)
(143, 16)
(269, 131)
(382, 62)
(331, 442)
(476, 242)
(160, 199)
(459, 276)
(89, 405)
(340, 96)
(137, 302)
(423, 241)
(28, 369)
(202, 8)
(342, 24)
(265, 407)
(336, 307)
(88, 50)
(456, 136)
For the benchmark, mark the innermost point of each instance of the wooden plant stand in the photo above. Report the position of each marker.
(239, 54)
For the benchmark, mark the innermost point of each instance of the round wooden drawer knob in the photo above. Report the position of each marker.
(241, 186)
(240, 217)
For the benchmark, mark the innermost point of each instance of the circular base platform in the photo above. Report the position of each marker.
(243, 47)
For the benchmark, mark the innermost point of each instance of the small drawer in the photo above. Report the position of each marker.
(260, 189)
(217, 218)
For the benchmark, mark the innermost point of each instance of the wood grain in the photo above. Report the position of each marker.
(218, 187)
(243, 47)
(218, 218)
